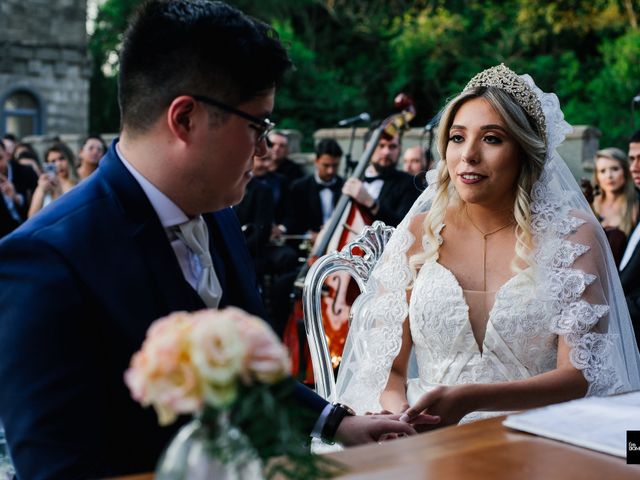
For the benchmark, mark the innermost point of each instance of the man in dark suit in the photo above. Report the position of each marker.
(81, 282)
(313, 198)
(256, 215)
(386, 192)
(282, 164)
(630, 264)
(17, 183)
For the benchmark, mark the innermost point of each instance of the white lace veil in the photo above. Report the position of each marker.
(594, 322)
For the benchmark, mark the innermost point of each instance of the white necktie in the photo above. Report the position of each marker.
(195, 235)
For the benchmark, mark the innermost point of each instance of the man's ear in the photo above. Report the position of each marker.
(180, 117)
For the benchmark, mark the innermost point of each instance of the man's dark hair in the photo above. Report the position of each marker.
(189, 47)
(10, 136)
(635, 138)
(328, 146)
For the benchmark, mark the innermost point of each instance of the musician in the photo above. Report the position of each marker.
(256, 215)
(282, 164)
(313, 198)
(385, 192)
(414, 162)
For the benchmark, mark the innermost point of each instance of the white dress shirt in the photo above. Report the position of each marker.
(170, 216)
(631, 246)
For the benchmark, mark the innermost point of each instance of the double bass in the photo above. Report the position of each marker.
(346, 222)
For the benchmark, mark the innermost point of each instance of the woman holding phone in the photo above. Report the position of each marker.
(58, 178)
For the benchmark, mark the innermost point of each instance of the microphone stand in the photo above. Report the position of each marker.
(349, 163)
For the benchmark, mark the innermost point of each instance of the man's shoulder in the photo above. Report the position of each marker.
(302, 183)
(64, 221)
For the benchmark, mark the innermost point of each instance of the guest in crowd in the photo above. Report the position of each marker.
(616, 203)
(386, 193)
(60, 176)
(17, 184)
(313, 198)
(10, 141)
(81, 282)
(26, 155)
(256, 213)
(282, 164)
(92, 150)
(415, 164)
(630, 264)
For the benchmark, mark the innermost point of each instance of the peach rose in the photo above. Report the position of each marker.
(162, 373)
(266, 358)
(217, 352)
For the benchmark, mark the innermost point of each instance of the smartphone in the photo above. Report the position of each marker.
(50, 169)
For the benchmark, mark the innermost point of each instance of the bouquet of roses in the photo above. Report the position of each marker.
(231, 371)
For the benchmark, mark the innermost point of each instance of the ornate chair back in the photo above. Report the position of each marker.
(358, 258)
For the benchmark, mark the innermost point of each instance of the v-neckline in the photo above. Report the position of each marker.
(480, 347)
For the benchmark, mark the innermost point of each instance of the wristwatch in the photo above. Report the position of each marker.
(331, 424)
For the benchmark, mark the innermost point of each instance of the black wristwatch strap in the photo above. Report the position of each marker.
(331, 424)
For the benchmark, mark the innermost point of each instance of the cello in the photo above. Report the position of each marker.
(346, 222)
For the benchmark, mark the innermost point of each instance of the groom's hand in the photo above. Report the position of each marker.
(360, 429)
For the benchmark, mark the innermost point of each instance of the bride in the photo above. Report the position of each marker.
(499, 280)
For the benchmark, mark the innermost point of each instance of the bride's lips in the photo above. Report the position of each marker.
(470, 178)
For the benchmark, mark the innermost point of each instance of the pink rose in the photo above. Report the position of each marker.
(162, 373)
(266, 358)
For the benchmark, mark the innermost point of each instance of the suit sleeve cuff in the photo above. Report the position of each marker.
(322, 419)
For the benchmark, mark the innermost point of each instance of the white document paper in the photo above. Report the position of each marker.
(597, 423)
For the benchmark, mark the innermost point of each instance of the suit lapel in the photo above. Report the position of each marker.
(315, 204)
(150, 238)
(231, 258)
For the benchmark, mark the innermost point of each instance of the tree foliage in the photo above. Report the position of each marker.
(356, 55)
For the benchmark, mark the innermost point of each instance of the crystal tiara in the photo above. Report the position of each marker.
(504, 78)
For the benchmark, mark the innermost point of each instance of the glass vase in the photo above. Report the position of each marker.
(211, 450)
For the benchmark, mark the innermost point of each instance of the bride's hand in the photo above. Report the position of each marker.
(450, 403)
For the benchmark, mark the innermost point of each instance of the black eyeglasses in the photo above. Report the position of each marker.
(263, 126)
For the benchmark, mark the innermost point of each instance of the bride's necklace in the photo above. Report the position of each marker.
(484, 244)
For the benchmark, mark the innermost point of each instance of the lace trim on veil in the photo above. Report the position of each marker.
(375, 335)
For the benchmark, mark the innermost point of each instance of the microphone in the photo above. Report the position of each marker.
(433, 122)
(636, 99)
(363, 117)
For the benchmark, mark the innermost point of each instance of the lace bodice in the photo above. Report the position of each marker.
(518, 341)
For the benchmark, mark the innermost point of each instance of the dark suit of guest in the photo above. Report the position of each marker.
(305, 213)
(396, 197)
(279, 186)
(255, 213)
(80, 283)
(290, 170)
(630, 279)
(25, 181)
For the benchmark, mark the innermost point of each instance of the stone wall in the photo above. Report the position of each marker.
(44, 52)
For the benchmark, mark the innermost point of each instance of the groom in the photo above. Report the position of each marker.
(81, 281)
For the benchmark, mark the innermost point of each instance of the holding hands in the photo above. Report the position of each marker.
(448, 403)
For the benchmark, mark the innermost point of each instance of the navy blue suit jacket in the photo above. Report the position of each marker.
(80, 283)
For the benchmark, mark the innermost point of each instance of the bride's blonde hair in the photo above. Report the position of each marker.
(525, 132)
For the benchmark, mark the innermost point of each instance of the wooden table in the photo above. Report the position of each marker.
(479, 450)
